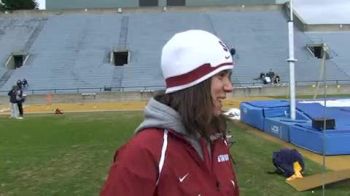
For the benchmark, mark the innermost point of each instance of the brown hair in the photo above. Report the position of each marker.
(195, 106)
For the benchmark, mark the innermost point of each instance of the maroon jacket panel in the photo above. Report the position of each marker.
(135, 170)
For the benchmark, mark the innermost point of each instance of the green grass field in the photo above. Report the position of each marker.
(70, 154)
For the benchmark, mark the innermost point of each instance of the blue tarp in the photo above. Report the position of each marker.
(316, 110)
(272, 117)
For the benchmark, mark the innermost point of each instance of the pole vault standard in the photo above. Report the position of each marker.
(291, 60)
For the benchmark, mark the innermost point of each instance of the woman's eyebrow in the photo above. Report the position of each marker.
(228, 72)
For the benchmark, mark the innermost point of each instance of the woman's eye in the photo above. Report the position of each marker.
(222, 74)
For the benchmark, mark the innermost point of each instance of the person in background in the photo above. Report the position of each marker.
(271, 74)
(181, 147)
(25, 83)
(19, 84)
(13, 102)
(277, 79)
(20, 98)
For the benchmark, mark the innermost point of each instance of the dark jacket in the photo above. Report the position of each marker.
(13, 93)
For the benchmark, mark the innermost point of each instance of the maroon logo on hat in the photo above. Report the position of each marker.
(223, 46)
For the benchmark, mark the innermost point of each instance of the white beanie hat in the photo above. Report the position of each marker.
(192, 56)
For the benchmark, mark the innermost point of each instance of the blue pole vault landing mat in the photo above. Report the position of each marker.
(272, 117)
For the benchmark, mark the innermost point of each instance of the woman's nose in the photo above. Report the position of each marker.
(228, 86)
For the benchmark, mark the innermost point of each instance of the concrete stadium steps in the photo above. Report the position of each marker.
(72, 49)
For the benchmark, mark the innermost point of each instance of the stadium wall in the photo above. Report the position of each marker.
(82, 4)
(228, 2)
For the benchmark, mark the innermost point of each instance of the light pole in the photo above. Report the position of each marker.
(291, 60)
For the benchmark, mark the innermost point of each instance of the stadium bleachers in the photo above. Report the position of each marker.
(338, 43)
(72, 50)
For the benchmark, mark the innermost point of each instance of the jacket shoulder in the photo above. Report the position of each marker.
(150, 132)
(147, 142)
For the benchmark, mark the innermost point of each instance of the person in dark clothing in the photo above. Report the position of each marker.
(20, 99)
(13, 102)
(25, 83)
(270, 74)
(19, 83)
(262, 76)
(277, 79)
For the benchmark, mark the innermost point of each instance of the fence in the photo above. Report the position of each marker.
(146, 89)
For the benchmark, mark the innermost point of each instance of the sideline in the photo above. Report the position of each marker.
(85, 107)
(107, 106)
(79, 107)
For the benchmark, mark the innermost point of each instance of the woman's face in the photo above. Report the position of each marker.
(220, 85)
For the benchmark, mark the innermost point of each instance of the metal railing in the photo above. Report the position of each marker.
(30, 91)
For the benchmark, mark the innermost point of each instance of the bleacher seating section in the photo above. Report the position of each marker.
(71, 50)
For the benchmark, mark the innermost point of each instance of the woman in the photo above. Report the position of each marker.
(180, 148)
